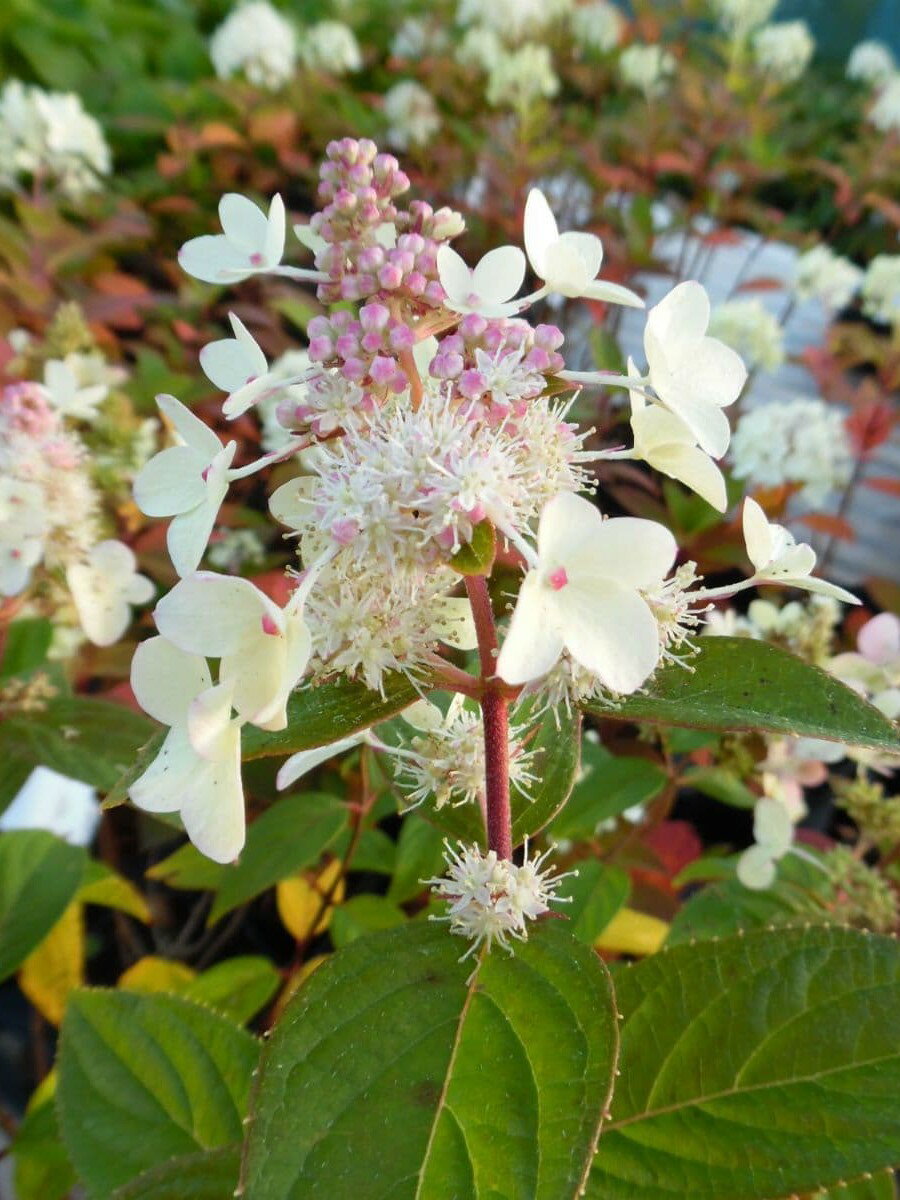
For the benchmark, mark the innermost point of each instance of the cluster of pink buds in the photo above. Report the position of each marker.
(365, 351)
(24, 407)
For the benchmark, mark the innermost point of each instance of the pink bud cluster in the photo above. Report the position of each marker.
(365, 351)
(24, 408)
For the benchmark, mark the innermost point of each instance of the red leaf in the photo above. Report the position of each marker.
(675, 844)
(762, 283)
(869, 426)
(723, 237)
(884, 483)
(835, 527)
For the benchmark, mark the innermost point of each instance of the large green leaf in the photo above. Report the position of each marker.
(27, 643)
(741, 683)
(289, 836)
(237, 987)
(328, 712)
(392, 1074)
(608, 785)
(91, 740)
(207, 1175)
(146, 1078)
(39, 875)
(755, 1067)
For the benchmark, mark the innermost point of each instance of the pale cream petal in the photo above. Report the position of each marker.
(165, 679)
(609, 630)
(533, 645)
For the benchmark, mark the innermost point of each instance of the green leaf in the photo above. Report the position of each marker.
(741, 683)
(755, 1067)
(237, 988)
(288, 837)
(90, 740)
(420, 855)
(719, 784)
(209, 1175)
(188, 870)
(103, 886)
(491, 1086)
(118, 793)
(609, 784)
(39, 875)
(361, 916)
(41, 1167)
(318, 715)
(27, 643)
(146, 1078)
(879, 1188)
(477, 556)
(597, 893)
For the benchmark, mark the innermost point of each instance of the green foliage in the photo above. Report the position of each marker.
(490, 1086)
(144, 1079)
(207, 1175)
(476, 557)
(742, 683)
(237, 987)
(753, 1067)
(608, 785)
(27, 642)
(597, 893)
(39, 875)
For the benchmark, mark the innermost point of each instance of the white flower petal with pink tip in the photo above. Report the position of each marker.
(778, 558)
(568, 263)
(251, 242)
(584, 596)
(238, 366)
(486, 290)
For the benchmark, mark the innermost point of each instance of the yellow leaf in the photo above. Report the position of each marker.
(295, 982)
(631, 932)
(299, 900)
(112, 891)
(51, 971)
(152, 974)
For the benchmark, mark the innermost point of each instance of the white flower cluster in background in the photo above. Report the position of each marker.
(480, 48)
(520, 77)
(330, 46)
(418, 37)
(871, 62)
(412, 115)
(783, 50)
(738, 18)
(48, 137)
(750, 329)
(796, 441)
(647, 67)
(827, 277)
(513, 20)
(881, 289)
(597, 25)
(257, 41)
(885, 112)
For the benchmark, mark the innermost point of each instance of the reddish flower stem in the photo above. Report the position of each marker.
(495, 717)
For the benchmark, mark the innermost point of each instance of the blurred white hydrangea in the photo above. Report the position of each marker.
(48, 135)
(257, 40)
(597, 25)
(235, 549)
(331, 46)
(417, 37)
(513, 20)
(740, 17)
(411, 113)
(797, 441)
(881, 289)
(649, 68)
(826, 276)
(885, 112)
(871, 62)
(520, 77)
(748, 327)
(480, 47)
(783, 50)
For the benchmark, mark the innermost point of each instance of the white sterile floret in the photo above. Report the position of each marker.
(23, 530)
(263, 649)
(63, 806)
(411, 113)
(778, 558)
(330, 46)
(490, 899)
(238, 366)
(584, 595)
(251, 242)
(568, 263)
(783, 50)
(821, 274)
(665, 443)
(257, 40)
(649, 68)
(795, 442)
(597, 25)
(197, 772)
(520, 77)
(489, 288)
(104, 587)
(67, 396)
(871, 62)
(740, 17)
(885, 112)
(693, 375)
(881, 289)
(773, 834)
(187, 482)
(750, 329)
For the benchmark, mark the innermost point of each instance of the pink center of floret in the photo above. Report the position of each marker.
(558, 579)
(256, 259)
(269, 625)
